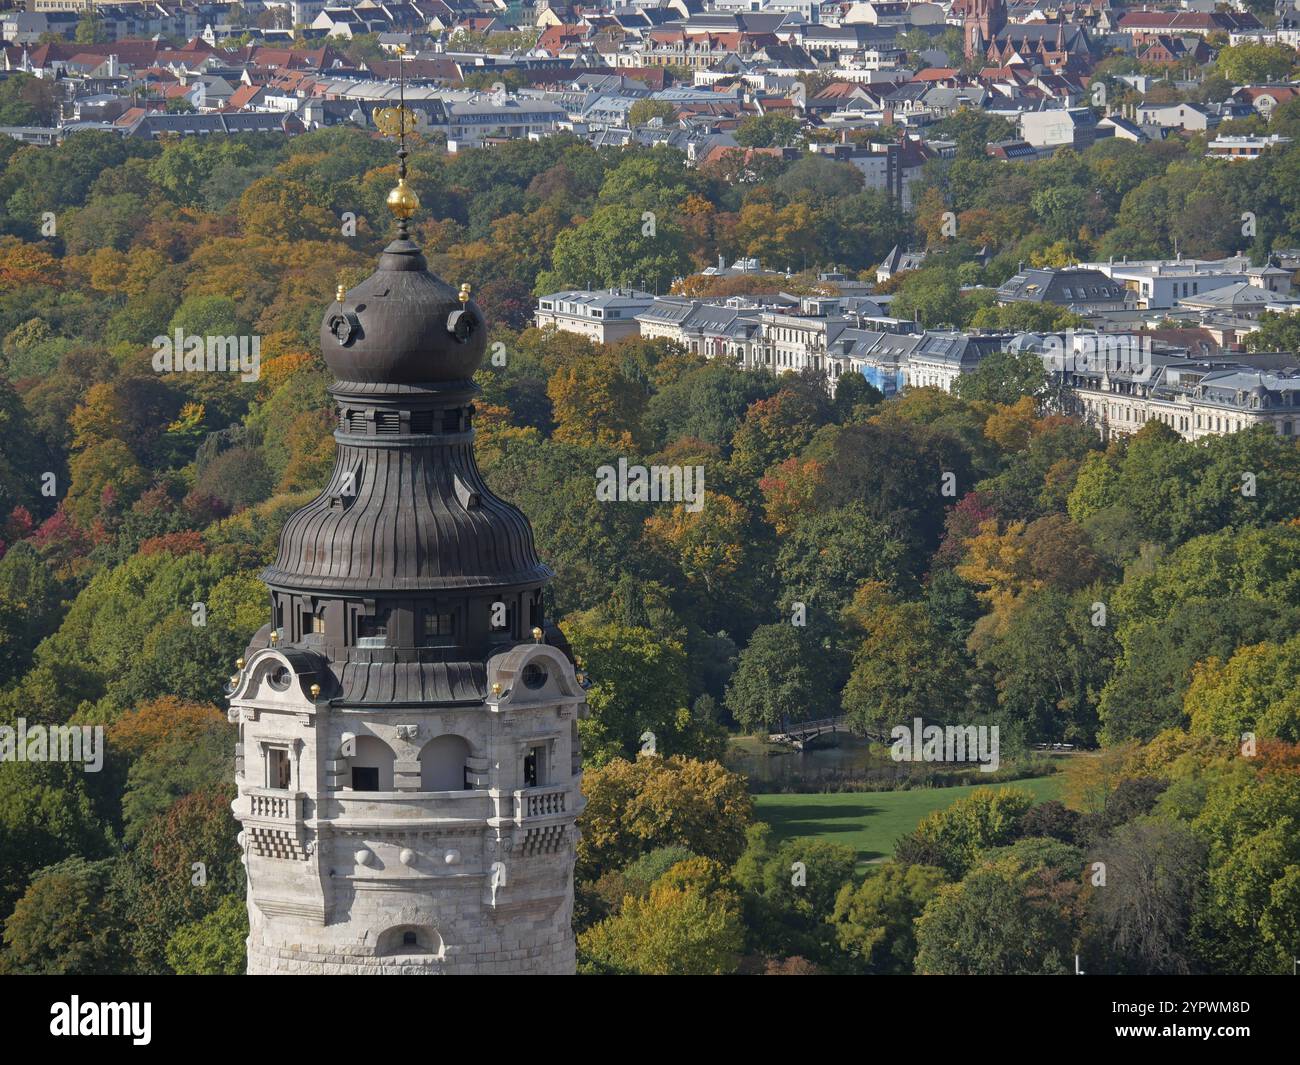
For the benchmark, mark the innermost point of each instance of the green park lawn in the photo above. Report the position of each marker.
(870, 821)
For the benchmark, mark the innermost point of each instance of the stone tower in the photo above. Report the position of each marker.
(407, 762)
(983, 21)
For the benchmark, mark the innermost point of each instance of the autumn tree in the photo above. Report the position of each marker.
(636, 807)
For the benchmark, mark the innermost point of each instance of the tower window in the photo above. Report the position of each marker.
(436, 627)
(535, 767)
(277, 768)
(318, 622)
(409, 940)
(365, 778)
(372, 629)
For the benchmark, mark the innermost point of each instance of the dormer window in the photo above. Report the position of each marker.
(372, 629)
(437, 628)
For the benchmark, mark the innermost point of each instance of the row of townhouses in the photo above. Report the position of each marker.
(1167, 369)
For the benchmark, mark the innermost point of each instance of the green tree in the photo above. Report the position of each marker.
(1003, 377)
(1001, 920)
(1248, 919)
(64, 924)
(675, 931)
(159, 883)
(954, 837)
(789, 893)
(785, 674)
(214, 945)
(766, 131)
(636, 807)
(638, 685)
(617, 246)
(1250, 64)
(643, 111)
(1254, 691)
(875, 921)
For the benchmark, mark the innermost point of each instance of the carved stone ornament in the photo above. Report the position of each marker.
(343, 327)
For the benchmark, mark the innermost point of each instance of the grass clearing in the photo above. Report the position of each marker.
(871, 821)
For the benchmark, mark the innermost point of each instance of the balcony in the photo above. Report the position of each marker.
(407, 810)
(548, 802)
(273, 806)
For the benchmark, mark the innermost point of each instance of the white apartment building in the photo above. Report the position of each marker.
(600, 316)
(1194, 397)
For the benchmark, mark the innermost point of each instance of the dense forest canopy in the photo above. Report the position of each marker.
(131, 498)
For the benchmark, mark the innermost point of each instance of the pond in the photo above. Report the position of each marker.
(772, 767)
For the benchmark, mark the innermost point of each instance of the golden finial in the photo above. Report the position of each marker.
(464, 293)
(537, 635)
(496, 687)
(394, 122)
(402, 201)
(275, 637)
(340, 293)
(315, 691)
(239, 663)
(234, 681)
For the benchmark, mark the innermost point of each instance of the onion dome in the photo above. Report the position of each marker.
(403, 326)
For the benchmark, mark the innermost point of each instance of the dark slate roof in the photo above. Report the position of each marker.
(407, 527)
(155, 124)
(1067, 287)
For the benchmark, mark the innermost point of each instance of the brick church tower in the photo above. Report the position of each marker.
(407, 763)
(983, 20)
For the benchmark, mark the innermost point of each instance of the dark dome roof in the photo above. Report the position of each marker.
(403, 325)
(421, 520)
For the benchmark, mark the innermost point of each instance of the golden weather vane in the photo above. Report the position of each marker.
(394, 122)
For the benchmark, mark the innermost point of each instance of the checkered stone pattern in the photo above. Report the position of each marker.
(547, 840)
(274, 843)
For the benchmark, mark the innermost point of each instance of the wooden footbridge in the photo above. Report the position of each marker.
(799, 733)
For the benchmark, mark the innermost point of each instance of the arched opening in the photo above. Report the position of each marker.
(442, 764)
(408, 939)
(372, 765)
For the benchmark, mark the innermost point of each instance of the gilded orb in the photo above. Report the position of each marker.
(402, 201)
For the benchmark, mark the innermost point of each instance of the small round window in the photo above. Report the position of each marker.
(280, 679)
(534, 676)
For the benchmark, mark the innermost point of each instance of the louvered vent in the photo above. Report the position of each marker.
(422, 421)
(388, 423)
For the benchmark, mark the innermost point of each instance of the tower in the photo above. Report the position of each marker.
(983, 21)
(407, 762)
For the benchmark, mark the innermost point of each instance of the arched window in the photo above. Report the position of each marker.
(408, 939)
(372, 765)
(442, 764)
